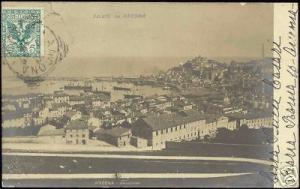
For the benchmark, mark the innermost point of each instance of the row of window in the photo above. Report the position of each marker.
(83, 135)
(172, 129)
(124, 137)
(192, 134)
(77, 141)
(257, 120)
(179, 138)
(268, 119)
(75, 130)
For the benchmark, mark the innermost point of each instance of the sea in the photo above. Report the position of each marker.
(131, 67)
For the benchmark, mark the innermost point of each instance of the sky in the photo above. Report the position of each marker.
(164, 35)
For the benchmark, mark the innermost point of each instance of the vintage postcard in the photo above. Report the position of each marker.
(145, 94)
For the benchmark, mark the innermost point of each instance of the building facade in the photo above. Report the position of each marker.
(158, 129)
(117, 136)
(255, 120)
(77, 132)
(258, 121)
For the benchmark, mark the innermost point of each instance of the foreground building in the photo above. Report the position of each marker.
(158, 129)
(118, 136)
(77, 132)
(49, 133)
(258, 120)
(138, 142)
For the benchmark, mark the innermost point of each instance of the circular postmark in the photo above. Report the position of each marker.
(288, 176)
(34, 69)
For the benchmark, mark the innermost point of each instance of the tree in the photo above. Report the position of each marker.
(224, 135)
(206, 138)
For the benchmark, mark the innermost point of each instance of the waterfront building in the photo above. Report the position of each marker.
(76, 100)
(60, 98)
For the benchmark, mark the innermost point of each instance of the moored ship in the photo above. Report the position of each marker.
(121, 88)
(107, 93)
(71, 87)
(129, 96)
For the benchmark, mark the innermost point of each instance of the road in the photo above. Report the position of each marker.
(27, 168)
(124, 156)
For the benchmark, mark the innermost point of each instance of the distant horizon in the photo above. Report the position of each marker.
(149, 67)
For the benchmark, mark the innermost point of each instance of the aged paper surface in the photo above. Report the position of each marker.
(149, 94)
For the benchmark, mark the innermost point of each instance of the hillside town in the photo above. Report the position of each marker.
(203, 97)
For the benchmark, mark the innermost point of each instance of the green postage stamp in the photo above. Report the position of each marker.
(22, 32)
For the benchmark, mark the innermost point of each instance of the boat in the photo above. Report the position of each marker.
(107, 93)
(78, 87)
(121, 88)
(129, 96)
(32, 81)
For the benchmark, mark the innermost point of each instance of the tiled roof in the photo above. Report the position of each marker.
(162, 121)
(251, 115)
(70, 114)
(50, 130)
(60, 95)
(76, 98)
(77, 124)
(58, 105)
(115, 132)
(15, 114)
(256, 115)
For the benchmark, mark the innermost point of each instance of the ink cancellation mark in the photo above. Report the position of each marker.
(288, 176)
(34, 69)
(31, 49)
